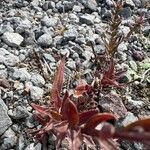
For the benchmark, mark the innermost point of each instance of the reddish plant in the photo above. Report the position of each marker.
(64, 120)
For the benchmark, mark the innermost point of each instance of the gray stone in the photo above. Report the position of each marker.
(77, 8)
(21, 143)
(129, 119)
(32, 146)
(49, 22)
(68, 6)
(71, 33)
(135, 103)
(9, 140)
(37, 80)
(12, 39)
(18, 113)
(3, 73)
(138, 3)
(71, 64)
(21, 74)
(90, 4)
(126, 12)
(49, 57)
(45, 40)
(8, 58)
(87, 19)
(130, 3)
(5, 121)
(6, 28)
(36, 93)
(24, 25)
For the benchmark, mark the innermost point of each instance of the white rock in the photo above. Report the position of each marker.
(12, 39)
(36, 93)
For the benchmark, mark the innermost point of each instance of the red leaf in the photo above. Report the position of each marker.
(57, 84)
(56, 116)
(110, 72)
(42, 110)
(144, 123)
(70, 112)
(97, 119)
(84, 116)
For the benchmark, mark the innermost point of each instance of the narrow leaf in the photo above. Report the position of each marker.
(144, 123)
(40, 109)
(97, 119)
(58, 83)
(71, 113)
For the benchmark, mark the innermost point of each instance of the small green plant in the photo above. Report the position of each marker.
(63, 119)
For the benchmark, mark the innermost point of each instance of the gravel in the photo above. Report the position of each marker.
(34, 34)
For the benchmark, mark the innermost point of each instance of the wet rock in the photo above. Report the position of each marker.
(12, 39)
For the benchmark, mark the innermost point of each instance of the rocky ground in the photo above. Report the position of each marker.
(34, 34)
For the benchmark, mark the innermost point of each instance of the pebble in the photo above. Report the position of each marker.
(5, 120)
(9, 140)
(87, 19)
(36, 93)
(90, 4)
(22, 74)
(45, 40)
(19, 112)
(12, 39)
(49, 22)
(129, 119)
(37, 80)
(8, 58)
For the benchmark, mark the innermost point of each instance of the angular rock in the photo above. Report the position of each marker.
(8, 58)
(87, 19)
(129, 118)
(36, 93)
(19, 113)
(70, 34)
(21, 74)
(37, 80)
(9, 140)
(90, 4)
(45, 40)
(12, 39)
(130, 3)
(49, 22)
(5, 121)
(113, 103)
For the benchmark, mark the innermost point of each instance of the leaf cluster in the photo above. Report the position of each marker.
(90, 127)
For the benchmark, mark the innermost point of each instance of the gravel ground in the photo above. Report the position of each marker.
(34, 34)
